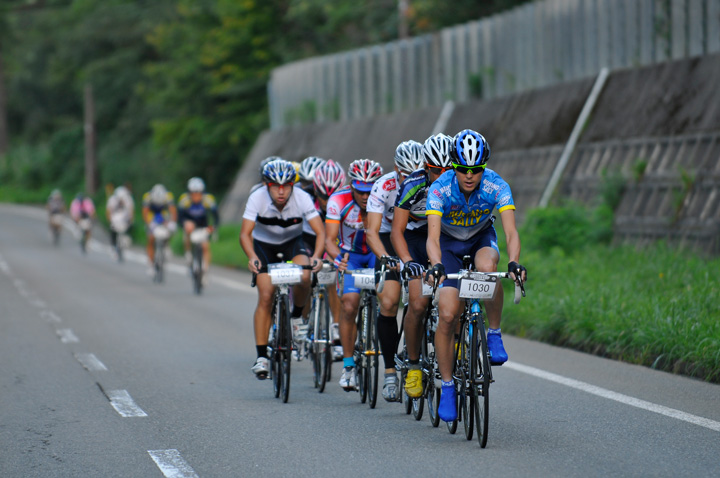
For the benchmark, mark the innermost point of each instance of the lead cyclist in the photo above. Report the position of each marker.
(460, 223)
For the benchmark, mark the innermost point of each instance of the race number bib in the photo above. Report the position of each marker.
(364, 278)
(326, 277)
(427, 289)
(478, 286)
(285, 273)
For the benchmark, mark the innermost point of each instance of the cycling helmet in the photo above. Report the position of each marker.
(364, 172)
(56, 193)
(308, 167)
(296, 165)
(196, 185)
(121, 192)
(328, 178)
(279, 171)
(470, 149)
(264, 162)
(409, 157)
(158, 195)
(436, 150)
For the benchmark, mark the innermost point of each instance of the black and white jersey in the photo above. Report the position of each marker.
(277, 227)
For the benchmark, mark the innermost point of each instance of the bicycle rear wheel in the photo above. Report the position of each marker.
(481, 390)
(373, 351)
(432, 393)
(320, 346)
(197, 269)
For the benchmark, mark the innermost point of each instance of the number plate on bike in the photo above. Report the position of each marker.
(478, 286)
(364, 278)
(326, 277)
(427, 289)
(285, 273)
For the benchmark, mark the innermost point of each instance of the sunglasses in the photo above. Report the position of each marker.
(278, 185)
(437, 169)
(468, 169)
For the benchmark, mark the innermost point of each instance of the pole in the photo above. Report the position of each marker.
(91, 176)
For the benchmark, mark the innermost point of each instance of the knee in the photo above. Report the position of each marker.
(486, 265)
(389, 306)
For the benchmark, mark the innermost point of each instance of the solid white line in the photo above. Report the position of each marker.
(67, 336)
(90, 362)
(123, 403)
(172, 464)
(50, 316)
(618, 397)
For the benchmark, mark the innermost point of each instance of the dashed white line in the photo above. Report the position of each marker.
(172, 464)
(123, 403)
(90, 362)
(67, 336)
(40, 304)
(618, 397)
(50, 316)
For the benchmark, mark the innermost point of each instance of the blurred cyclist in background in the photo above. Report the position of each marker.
(82, 211)
(158, 208)
(56, 208)
(120, 213)
(194, 209)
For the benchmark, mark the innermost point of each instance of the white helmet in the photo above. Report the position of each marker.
(308, 167)
(409, 157)
(158, 195)
(196, 185)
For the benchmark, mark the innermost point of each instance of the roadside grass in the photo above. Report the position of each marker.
(657, 306)
(226, 251)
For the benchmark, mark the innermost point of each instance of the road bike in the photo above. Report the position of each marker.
(119, 225)
(282, 275)
(319, 341)
(56, 220)
(85, 224)
(472, 372)
(198, 237)
(161, 233)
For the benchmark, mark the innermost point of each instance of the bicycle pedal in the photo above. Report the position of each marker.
(262, 376)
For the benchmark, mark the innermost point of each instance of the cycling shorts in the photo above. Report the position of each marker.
(355, 261)
(391, 275)
(309, 240)
(454, 249)
(416, 240)
(268, 253)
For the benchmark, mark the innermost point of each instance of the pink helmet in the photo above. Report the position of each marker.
(328, 178)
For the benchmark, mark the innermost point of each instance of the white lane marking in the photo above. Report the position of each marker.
(5, 267)
(618, 397)
(123, 403)
(172, 464)
(50, 316)
(91, 362)
(67, 336)
(40, 304)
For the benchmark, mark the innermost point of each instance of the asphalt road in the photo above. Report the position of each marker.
(103, 373)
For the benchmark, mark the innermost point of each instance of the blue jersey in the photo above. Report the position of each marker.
(463, 219)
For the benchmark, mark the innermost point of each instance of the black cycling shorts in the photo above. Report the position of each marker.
(268, 253)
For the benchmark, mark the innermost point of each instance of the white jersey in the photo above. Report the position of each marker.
(382, 199)
(274, 226)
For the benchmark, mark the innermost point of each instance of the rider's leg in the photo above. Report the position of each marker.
(262, 319)
(301, 291)
(486, 260)
(417, 304)
(206, 255)
(350, 303)
(388, 334)
(188, 227)
(150, 248)
(449, 308)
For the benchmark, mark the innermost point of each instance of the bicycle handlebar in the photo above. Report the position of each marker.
(519, 285)
(384, 260)
(253, 281)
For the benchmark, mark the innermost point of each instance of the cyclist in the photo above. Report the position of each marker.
(56, 208)
(409, 236)
(272, 224)
(328, 178)
(345, 241)
(380, 206)
(194, 207)
(306, 173)
(82, 211)
(120, 213)
(459, 207)
(158, 208)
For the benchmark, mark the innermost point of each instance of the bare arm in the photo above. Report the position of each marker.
(374, 221)
(317, 226)
(433, 240)
(397, 236)
(246, 242)
(512, 237)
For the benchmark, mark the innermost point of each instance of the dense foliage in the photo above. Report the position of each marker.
(179, 85)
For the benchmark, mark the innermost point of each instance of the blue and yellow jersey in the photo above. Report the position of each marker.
(462, 219)
(198, 212)
(158, 212)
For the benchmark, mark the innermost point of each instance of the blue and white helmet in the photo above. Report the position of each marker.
(436, 150)
(409, 157)
(470, 149)
(279, 171)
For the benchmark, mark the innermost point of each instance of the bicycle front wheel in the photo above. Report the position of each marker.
(361, 345)
(481, 389)
(373, 350)
(285, 334)
(275, 356)
(468, 345)
(197, 269)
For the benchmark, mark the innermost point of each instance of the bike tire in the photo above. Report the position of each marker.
(468, 359)
(482, 388)
(326, 358)
(275, 360)
(453, 425)
(361, 359)
(285, 333)
(197, 269)
(373, 352)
